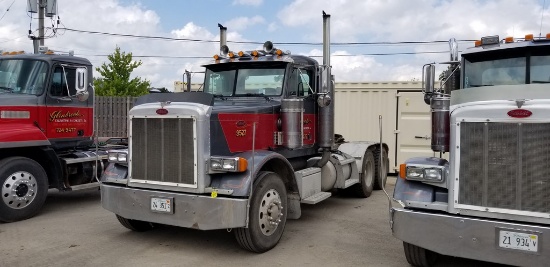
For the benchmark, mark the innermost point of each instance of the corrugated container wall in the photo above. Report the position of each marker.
(406, 126)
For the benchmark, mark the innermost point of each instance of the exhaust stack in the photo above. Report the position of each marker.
(223, 36)
(326, 113)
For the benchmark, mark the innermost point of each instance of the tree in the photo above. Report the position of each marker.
(115, 80)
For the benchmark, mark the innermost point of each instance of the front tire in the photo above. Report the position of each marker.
(418, 256)
(24, 188)
(134, 225)
(267, 214)
(366, 184)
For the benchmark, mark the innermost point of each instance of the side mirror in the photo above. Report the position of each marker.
(428, 75)
(81, 83)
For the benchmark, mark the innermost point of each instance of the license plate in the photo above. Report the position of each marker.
(159, 204)
(518, 241)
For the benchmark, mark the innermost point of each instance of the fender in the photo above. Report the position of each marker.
(22, 135)
(240, 182)
(357, 150)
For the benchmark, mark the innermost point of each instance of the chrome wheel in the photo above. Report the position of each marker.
(271, 212)
(19, 190)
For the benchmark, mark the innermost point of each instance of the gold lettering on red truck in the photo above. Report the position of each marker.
(240, 133)
(60, 115)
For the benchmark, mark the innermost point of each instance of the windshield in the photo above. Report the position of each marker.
(519, 68)
(244, 82)
(22, 76)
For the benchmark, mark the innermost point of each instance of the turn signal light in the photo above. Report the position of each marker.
(403, 171)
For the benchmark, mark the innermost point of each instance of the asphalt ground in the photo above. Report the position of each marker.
(74, 230)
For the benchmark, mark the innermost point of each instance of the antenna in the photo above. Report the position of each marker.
(542, 16)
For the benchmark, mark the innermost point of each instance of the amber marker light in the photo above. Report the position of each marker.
(242, 164)
(509, 39)
(477, 43)
(529, 37)
(254, 53)
(216, 57)
(403, 171)
(241, 53)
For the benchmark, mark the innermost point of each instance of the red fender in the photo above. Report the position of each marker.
(21, 135)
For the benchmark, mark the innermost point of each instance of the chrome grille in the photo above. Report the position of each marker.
(163, 150)
(502, 165)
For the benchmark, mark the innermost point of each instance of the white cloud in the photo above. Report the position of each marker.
(248, 2)
(298, 21)
(241, 23)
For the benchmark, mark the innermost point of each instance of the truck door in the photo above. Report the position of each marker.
(302, 85)
(67, 117)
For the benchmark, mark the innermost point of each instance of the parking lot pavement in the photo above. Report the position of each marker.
(73, 230)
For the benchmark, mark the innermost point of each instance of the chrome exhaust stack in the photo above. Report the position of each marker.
(325, 96)
(223, 36)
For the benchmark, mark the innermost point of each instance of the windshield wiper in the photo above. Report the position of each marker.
(258, 94)
(540, 82)
(6, 89)
(479, 85)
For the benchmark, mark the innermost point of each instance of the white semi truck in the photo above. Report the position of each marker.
(490, 200)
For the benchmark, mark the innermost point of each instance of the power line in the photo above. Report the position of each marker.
(7, 10)
(254, 42)
(346, 55)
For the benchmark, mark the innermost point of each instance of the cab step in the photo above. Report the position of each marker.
(316, 198)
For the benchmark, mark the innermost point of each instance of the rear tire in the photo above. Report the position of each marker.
(418, 256)
(134, 225)
(367, 179)
(267, 214)
(24, 188)
(380, 181)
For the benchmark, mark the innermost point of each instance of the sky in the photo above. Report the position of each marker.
(355, 26)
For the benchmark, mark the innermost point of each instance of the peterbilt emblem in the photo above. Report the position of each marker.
(241, 124)
(162, 111)
(519, 113)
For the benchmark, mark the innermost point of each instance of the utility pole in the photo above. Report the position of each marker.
(44, 8)
(41, 12)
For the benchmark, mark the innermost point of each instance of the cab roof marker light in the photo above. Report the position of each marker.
(529, 37)
(509, 39)
(477, 43)
(548, 36)
(243, 54)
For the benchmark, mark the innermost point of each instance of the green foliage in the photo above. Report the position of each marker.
(115, 77)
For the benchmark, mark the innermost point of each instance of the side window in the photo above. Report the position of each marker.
(300, 82)
(60, 87)
(306, 82)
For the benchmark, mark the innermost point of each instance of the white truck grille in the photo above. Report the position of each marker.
(163, 150)
(505, 165)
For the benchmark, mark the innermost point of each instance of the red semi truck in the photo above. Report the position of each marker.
(46, 130)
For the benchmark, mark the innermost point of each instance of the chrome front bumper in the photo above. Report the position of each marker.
(467, 237)
(190, 211)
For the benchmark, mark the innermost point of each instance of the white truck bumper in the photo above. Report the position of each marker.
(468, 237)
